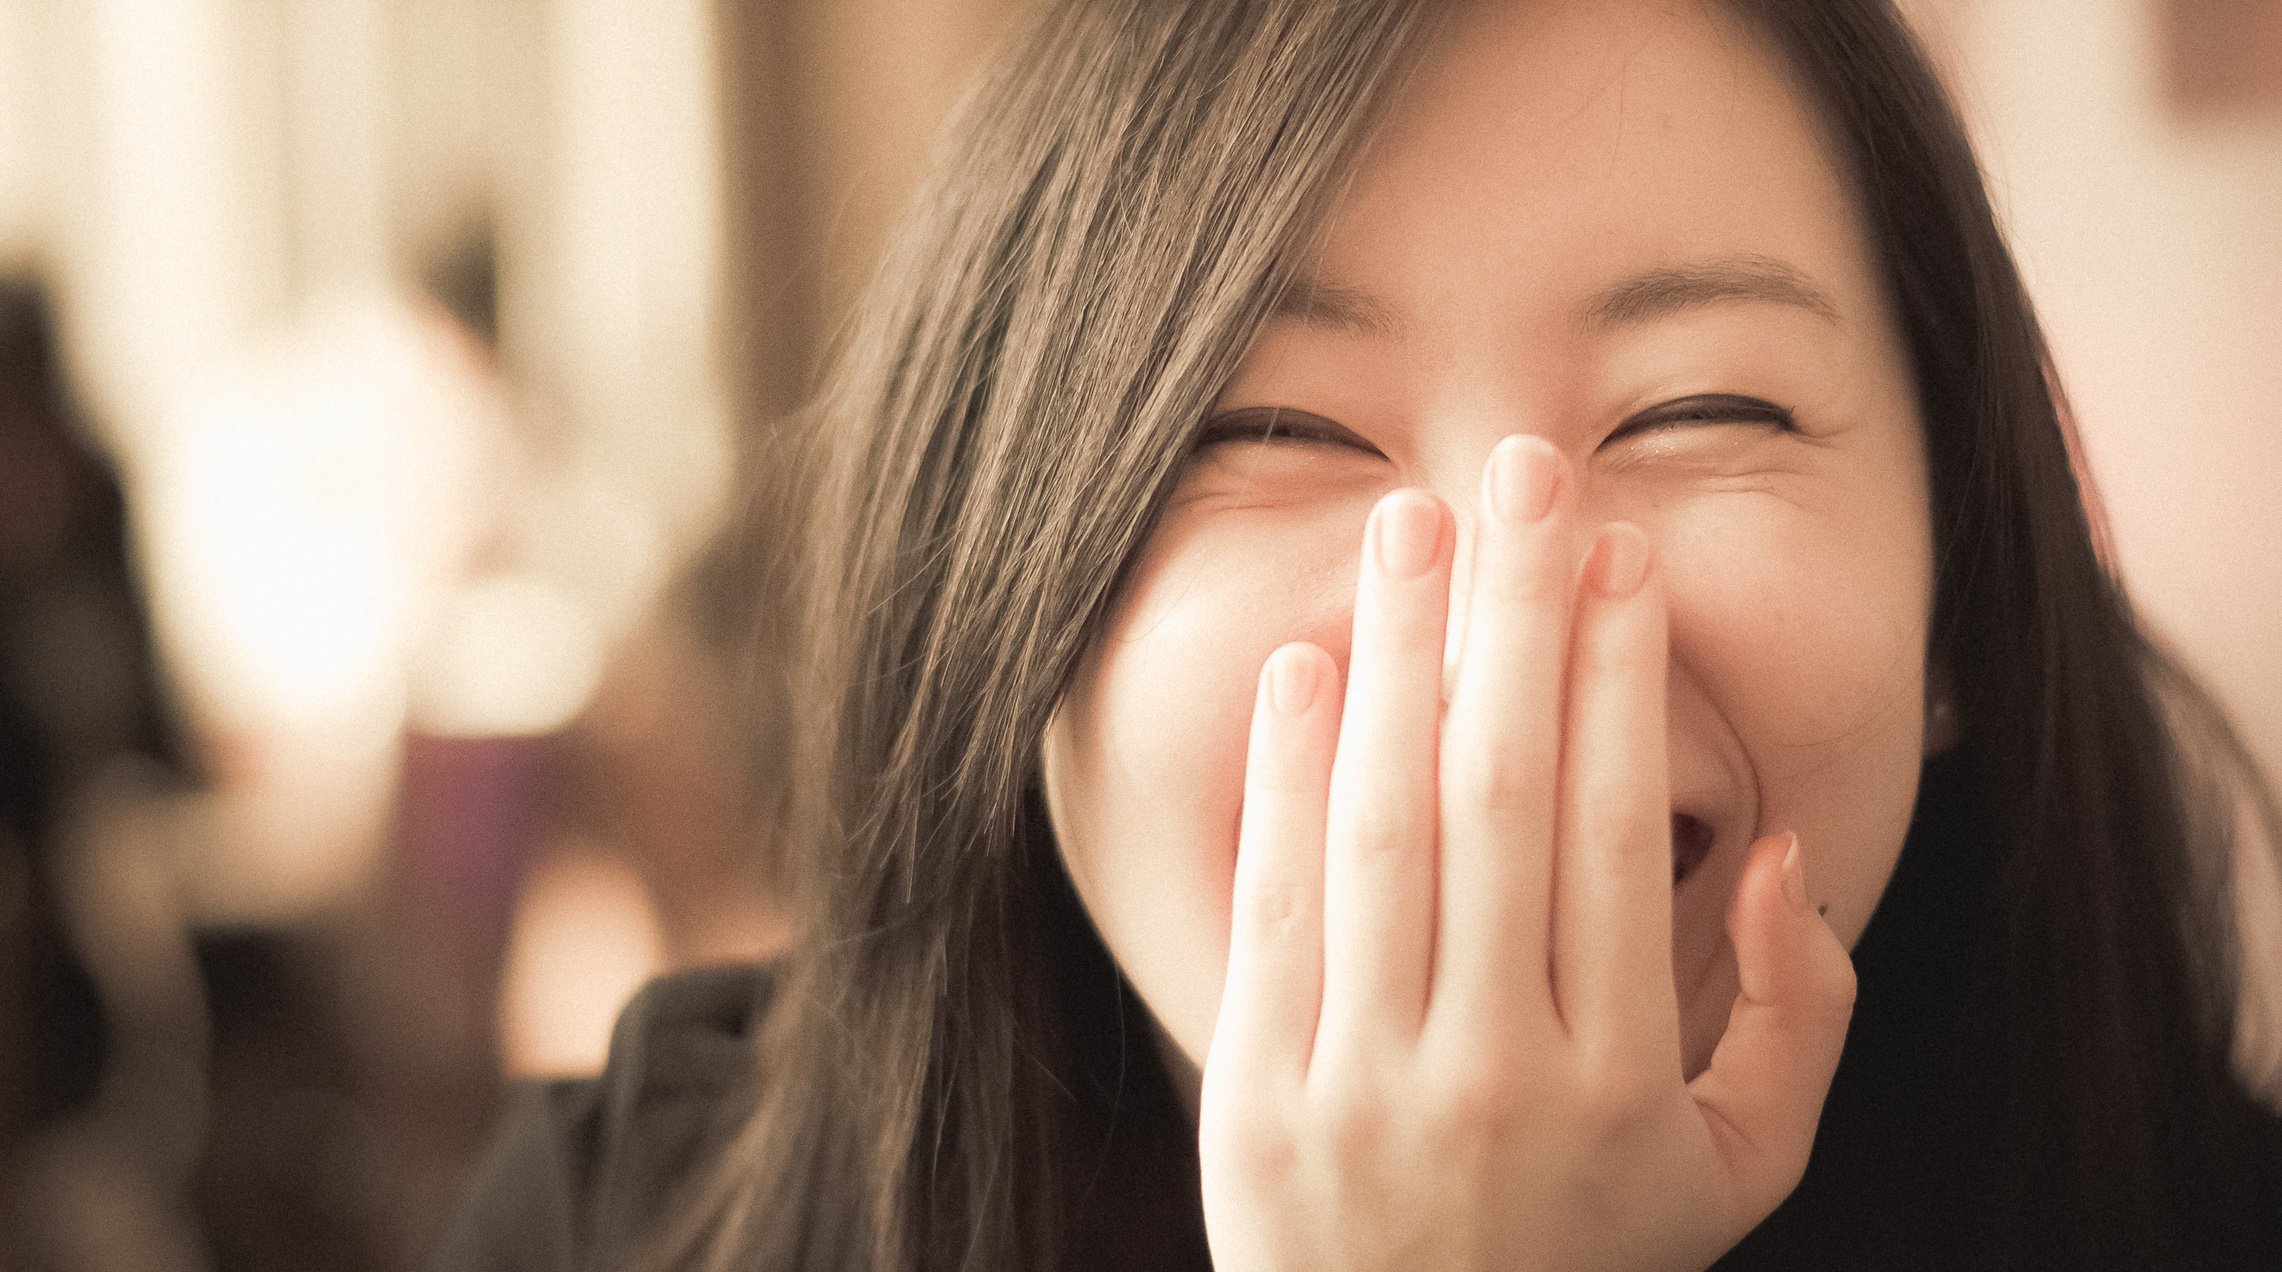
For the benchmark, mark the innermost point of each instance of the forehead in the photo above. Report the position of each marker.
(1552, 147)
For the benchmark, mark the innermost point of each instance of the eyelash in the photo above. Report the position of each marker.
(1267, 424)
(1709, 408)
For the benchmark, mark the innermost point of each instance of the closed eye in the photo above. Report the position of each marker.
(1277, 424)
(1706, 408)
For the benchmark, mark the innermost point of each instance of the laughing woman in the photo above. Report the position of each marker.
(1453, 636)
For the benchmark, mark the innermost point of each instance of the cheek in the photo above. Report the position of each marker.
(1807, 633)
(1145, 760)
(1798, 655)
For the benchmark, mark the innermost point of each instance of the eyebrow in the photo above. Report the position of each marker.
(1730, 279)
(1652, 294)
(1345, 310)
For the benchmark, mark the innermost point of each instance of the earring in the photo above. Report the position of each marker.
(1940, 724)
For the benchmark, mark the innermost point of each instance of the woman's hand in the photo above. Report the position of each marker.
(1449, 1037)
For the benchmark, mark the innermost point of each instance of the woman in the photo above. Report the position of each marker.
(1396, 584)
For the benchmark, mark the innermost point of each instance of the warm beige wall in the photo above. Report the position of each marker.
(2150, 233)
(2151, 237)
(833, 107)
(2152, 240)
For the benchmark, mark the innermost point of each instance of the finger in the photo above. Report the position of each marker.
(1612, 925)
(1378, 873)
(1274, 986)
(1763, 1092)
(1501, 748)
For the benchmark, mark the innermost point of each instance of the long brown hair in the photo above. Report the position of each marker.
(2049, 990)
(1083, 271)
(1080, 278)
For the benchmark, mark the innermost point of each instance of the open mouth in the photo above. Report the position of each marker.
(1691, 843)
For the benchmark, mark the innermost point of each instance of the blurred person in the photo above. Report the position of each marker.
(180, 1093)
(1452, 637)
(654, 766)
(82, 719)
(642, 859)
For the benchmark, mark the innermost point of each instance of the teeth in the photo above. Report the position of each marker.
(1691, 843)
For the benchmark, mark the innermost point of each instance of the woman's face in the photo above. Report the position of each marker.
(1615, 226)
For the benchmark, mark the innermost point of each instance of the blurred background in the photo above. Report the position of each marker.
(372, 376)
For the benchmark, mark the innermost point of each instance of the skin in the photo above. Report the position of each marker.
(1411, 936)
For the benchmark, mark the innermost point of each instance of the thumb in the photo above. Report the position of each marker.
(1763, 1093)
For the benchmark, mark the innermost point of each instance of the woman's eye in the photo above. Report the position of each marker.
(1707, 408)
(1279, 425)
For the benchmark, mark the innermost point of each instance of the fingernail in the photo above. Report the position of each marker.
(1291, 681)
(1524, 473)
(1620, 560)
(1794, 876)
(1408, 528)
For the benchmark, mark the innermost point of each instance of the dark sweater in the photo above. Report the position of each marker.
(1906, 1169)
(580, 1168)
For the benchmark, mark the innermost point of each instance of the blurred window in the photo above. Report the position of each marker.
(2223, 56)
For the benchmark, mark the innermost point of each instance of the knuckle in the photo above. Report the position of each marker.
(1253, 1143)
(1496, 781)
(1353, 1119)
(1613, 647)
(1775, 1173)
(1379, 827)
(1829, 992)
(1617, 1102)
(1272, 911)
(1617, 1138)
(1766, 1166)
(1628, 834)
(1477, 1095)
(1843, 987)
(1603, 1193)
(1281, 780)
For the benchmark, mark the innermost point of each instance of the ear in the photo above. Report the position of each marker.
(1941, 715)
